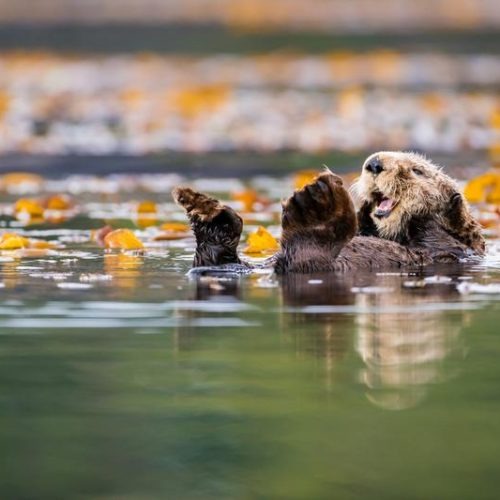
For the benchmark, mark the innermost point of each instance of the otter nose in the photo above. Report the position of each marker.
(374, 166)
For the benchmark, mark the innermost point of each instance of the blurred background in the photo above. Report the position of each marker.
(240, 87)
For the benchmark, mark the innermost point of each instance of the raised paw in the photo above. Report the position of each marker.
(461, 224)
(197, 205)
(322, 206)
(217, 227)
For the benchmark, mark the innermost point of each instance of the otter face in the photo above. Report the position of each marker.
(400, 186)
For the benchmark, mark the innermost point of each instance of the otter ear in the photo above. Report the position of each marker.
(455, 209)
(456, 200)
(366, 226)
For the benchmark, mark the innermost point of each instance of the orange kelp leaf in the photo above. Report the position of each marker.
(147, 207)
(146, 211)
(349, 102)
(58, 202)
(173, 231)
(191, 101)
(122, 239)
(132, 97)
(303, 178)
(16, 179)
(41, 244)
(495, 119)
(12, 241)
(484, 188)
(433, 102)
(146, 221)
(29, 206)
(261, 242)
(246, 198)
(179, 227)
(4, 102)
(170, 236)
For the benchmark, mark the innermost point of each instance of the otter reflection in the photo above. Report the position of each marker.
(402, 335)
(304, 299)
(405, 339)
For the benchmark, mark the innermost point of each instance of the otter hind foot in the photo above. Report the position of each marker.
(217, 227)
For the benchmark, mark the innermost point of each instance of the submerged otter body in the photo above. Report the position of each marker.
(411, 215)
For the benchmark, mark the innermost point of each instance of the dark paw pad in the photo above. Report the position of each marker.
(319, 202)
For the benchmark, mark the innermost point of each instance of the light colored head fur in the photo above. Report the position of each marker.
(418, 189)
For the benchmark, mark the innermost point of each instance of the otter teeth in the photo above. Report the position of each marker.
(385, 207)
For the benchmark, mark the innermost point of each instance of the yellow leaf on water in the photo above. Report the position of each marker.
(29, 206)
(246, 198)
(261, 242)
(178, 227)
(147, 207)
(4, 103)
(484, 188)
(12, 241)
(58, 202)
(193, 100)
(146, 214)
(170, 236)
(303, 178)
(14, 179)
(173, 231)
(5, 236)
(122, 239)
(495, 119)
(146, 220)
(41, 244)
(132, 97)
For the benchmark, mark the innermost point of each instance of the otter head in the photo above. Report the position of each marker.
(397, 188)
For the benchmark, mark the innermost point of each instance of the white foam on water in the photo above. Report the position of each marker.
(418, 308)
(74, 286)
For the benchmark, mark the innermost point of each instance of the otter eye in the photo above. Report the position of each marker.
(417, 171)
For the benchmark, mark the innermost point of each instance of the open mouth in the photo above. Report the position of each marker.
(385, 207)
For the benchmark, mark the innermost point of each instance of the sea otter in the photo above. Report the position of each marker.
(411, 214)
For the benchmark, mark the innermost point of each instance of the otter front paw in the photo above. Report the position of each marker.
(217, 227)
(462, 225)
(322, 209)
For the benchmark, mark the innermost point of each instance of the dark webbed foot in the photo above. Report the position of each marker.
(217, 227)
(317, 221)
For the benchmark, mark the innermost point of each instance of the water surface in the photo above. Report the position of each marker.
(121, 377)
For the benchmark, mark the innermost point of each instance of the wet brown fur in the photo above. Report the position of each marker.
(423, 192)
(431, 222)
(217, 227)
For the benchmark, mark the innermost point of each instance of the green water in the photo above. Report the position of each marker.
(151, 385)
